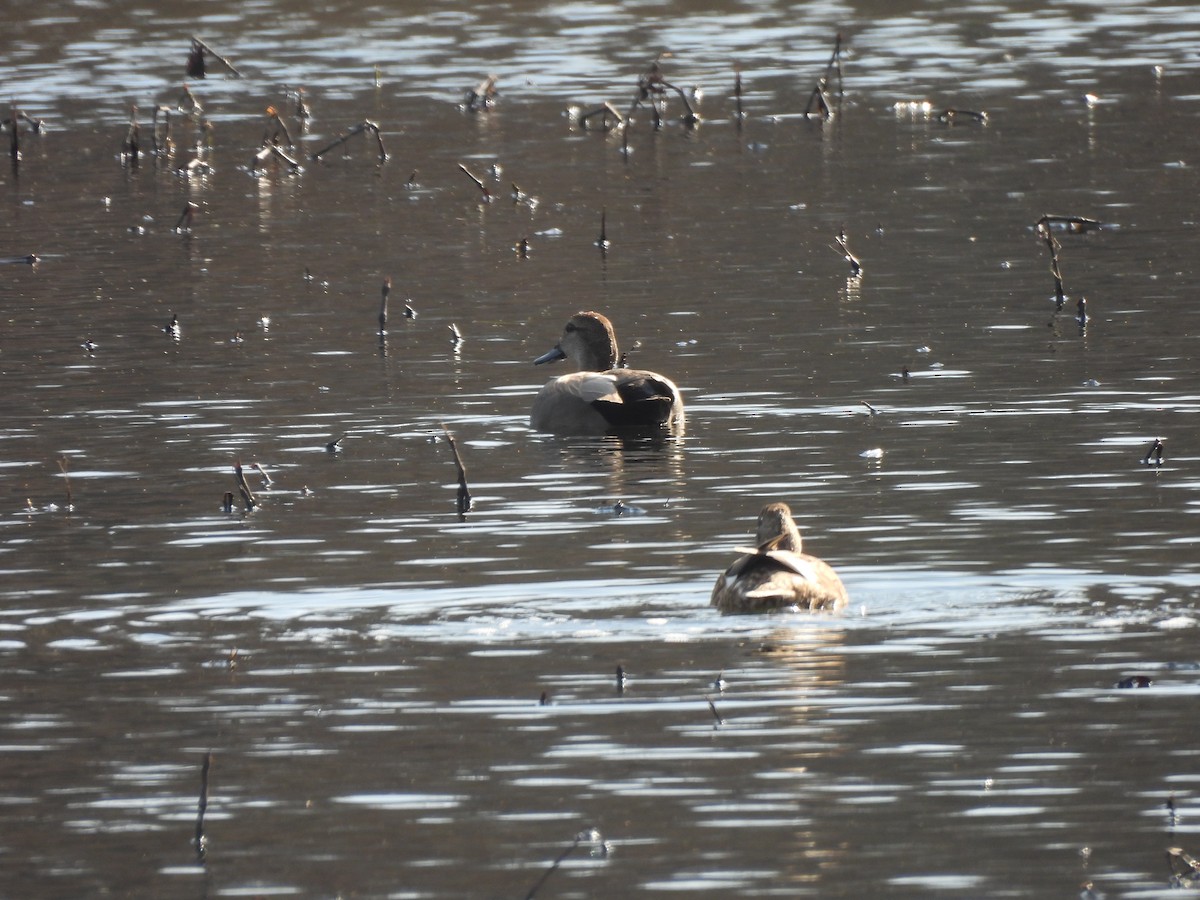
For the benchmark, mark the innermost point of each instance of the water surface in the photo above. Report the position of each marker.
(368, 667)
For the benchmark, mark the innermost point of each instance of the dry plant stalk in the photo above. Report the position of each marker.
(247, 495)
(365, 125)
(464, 493)
(201, 841)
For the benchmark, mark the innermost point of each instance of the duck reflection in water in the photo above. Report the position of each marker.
(602, 397)
(776, 575)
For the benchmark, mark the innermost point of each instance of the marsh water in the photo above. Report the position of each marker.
(401, 701)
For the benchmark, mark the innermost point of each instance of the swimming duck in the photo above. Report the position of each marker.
(776, 574)
(601, 397)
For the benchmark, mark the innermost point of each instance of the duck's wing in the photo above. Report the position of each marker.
(592, 387)
(765, 579)
(801, 564)
(641, 399)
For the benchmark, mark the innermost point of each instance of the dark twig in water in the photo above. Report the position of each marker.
(248, 497)
(737, 96)
(952, 116)
(267, 479)
(835, 63)
(188, 105)
(303, 112)
(591, 836)
(201, 840)
(818, 100)
(483, 189)
(30, 260)
(464, 493)
(62, 467)
(610, 117)
(1073, 224)
(227, 502)
(652, 92)
(269, 152)
(844, 249)
(161, 143)
(1156, 451)
(621, 679)
(196, 67)
(456, 336)
(713, 708)
(1185, 870)
(602, 242)
(690, 117)
(272, 137)
(184, 224)
(131, 150)
(365, 125)
(13, 123)
(383, 304)
(35, 125)
(1052, 244)
(14, 136)
(483, 96)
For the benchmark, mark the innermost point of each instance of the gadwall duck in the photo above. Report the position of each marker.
(776, 575)
(601, 397)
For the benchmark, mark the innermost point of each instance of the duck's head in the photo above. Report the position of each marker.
(775, 522)
(588, 341)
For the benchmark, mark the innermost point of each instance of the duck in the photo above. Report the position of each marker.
(777, 575)
(602, 397)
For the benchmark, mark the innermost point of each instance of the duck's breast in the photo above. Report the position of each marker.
(565, 405)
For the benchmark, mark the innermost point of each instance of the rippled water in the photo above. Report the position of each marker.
(405, 702)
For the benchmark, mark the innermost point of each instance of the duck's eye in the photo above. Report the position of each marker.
(569, 328)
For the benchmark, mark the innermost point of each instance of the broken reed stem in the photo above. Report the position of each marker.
(605, 111)
(14, 147)
(558, 861)
(365, 125)
(387, 289)
(272, 151)
(464, 493)
(819, 97)
(737, 95)
(951, 116)
(280, 126)
(186, 217)
(1074, 224)
(131, 148)
(483, 96)
(62, 467)
(855, 265)
(247, 495)
(487, 195)
(201, 842)
(690, 117)
(713, 708)
(163, 146)
(198, 44)
(835, 62)
(1052, 244)
(1187, 870)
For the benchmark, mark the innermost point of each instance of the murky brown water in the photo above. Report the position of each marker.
(366, 667)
